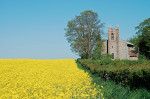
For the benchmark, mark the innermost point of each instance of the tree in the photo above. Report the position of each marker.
(142, 38)
(144, 43)
(97, 52)
(84, 33)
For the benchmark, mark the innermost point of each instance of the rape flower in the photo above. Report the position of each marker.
(48, 79)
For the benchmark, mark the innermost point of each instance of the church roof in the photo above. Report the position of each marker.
(132, 54)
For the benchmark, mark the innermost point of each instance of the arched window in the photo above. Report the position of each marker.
(112, 36)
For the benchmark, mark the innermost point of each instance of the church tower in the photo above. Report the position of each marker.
(113, 41)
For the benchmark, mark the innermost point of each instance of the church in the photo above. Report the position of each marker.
(119, 49)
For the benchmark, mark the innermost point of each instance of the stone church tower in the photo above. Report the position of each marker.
(119, 49)
(113, 41)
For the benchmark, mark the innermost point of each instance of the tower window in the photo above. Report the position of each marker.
(112, 36)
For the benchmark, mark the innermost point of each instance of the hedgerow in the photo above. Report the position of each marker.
(133, 73)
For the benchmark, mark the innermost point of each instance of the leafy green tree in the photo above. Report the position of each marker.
(144, 43)
(96, 55)
(142, 38)
(84, 33)
(97, 52)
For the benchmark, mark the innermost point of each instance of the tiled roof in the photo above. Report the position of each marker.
(132, 54)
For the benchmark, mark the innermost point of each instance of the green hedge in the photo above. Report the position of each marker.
(129, 73)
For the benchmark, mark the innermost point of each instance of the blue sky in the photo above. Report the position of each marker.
(34, 29)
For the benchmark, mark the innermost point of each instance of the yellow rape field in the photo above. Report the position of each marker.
(45, 79)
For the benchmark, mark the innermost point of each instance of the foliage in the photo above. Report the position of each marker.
(112, 90)
(129, 73)
(144, 43)
(97, 52)
(45, 79)
(142, 56)
(106, 56)
(142, 38)
(84, 33)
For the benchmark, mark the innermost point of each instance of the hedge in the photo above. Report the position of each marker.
(129, 73)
